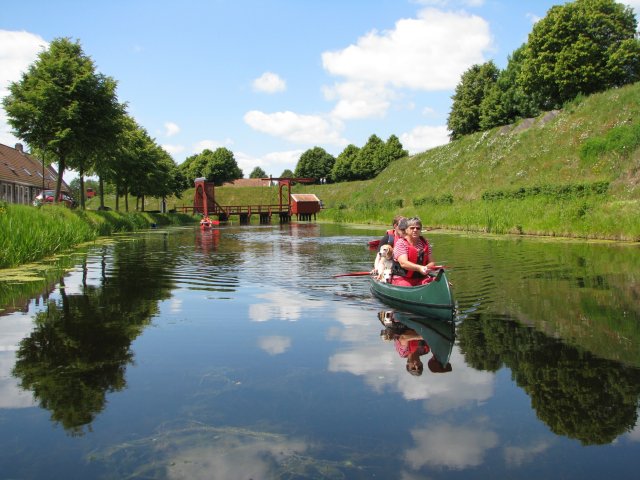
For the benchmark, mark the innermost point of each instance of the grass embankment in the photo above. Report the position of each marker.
(573, 173)
(28, 233)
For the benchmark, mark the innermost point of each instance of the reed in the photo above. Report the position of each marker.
(28, 233)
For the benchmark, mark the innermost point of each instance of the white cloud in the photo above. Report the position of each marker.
(173, 149)
(269, 82)
(533, 18)
(11, 395)
(358, 99)
(171, 129)
(275, 344)
(456, 447)
(517, 456)
(273, 163)
(427, 53)
(297, 128)
(634, 435)
(424, 137)
(279, 305)
(228, 454)
(210, 145)
(18, 50)
(635, 4)
(15, 327)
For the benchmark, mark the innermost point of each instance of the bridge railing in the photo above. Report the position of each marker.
(230, 210)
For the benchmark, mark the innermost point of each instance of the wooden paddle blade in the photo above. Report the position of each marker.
(352, 274)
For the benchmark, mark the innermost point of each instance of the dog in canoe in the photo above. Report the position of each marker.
(383, 263)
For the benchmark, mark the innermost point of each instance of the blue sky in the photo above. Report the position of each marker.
(270, 79)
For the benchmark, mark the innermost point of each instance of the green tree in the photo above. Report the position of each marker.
(505, 101)
(475, 84)
(258, 173)
(367, 163)
(342, 169)
(581, 47)
(218, 167)
(61, 106)
(221, 166)
(391, 152)
(315, 163)
(286, 173)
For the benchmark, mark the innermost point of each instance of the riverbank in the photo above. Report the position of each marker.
(568, 173)
(28, 233)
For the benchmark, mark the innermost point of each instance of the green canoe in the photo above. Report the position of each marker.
(433, 300)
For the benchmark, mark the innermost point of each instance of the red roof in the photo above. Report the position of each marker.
(304, 197)
(22, 169)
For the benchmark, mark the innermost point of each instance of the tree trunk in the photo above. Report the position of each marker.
(61, 166)
(81, 175)
(101, 189)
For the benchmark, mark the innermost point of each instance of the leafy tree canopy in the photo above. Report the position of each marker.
(220, 166)
(257, 173)
(581, 47)
(475, 84)
(62, 106)
(505, 101)
(315, 163)
(342, 168)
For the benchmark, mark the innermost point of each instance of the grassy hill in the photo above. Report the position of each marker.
(574, 172)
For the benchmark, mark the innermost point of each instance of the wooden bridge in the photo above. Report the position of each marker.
(204, 203)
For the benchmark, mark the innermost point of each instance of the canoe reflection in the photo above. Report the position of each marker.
(414, 337)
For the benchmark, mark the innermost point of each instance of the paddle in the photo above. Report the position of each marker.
(352, 274)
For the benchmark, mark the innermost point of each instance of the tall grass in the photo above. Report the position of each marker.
(28, 233)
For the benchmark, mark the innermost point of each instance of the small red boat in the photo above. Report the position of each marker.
(206, 222)
(374, 244)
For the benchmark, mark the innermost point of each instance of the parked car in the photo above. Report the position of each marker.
(48, 198)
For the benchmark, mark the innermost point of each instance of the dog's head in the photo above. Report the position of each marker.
(386, 275)
(386, 251)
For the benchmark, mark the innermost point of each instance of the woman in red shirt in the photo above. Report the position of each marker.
(412, 255)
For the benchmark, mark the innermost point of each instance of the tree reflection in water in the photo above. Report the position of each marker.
(576, 394)
(81, 344)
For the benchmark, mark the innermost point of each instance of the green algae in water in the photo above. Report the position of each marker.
(197, 450)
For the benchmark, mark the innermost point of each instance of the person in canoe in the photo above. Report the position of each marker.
(410, 345)
(394, 233)
(411, 255)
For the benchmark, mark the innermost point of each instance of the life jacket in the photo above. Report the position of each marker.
(414, 345)
(391, 237)
(421, 257)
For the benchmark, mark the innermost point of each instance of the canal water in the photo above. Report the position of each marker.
(236, 354)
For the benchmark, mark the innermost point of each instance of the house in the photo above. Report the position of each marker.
(22, 177)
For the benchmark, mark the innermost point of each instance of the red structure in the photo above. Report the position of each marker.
(204, 203)
(304, 205)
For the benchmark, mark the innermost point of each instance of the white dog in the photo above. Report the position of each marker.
(384, 262)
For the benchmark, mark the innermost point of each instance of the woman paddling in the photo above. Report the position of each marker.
(412, 256)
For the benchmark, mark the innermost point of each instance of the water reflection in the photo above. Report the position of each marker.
(575, 393)
(234, 353)
(80, 346)
(414, 337)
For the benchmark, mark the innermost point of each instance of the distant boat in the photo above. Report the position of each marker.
(206, 222)
(433, 300)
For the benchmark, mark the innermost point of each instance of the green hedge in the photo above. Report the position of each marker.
(562, 192)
